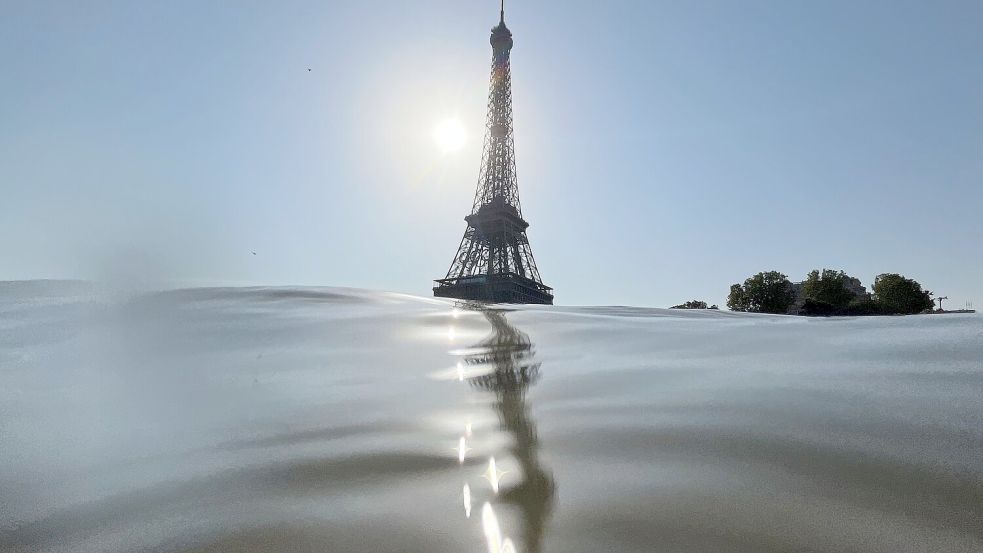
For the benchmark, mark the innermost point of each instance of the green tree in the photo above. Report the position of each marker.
(737, 300)
(828, 287)
(896, 294)
(769, 292)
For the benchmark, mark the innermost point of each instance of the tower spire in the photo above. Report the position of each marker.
(494, 262)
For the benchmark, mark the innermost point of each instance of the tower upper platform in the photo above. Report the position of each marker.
(501, 37)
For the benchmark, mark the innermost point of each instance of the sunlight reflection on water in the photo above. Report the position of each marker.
(508, 357)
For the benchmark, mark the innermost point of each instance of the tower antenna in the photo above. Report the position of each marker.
(502, 20)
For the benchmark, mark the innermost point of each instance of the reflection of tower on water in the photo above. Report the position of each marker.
(507, 357)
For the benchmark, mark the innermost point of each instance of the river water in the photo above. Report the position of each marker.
(325, 419)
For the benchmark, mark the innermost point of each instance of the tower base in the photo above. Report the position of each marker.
(495, 288)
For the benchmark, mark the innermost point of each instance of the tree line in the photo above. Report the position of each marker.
(829, 292)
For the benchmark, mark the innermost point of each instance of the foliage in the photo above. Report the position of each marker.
(769, 292)
(817, 308)
(695, 304)
(827, 288)
(863, 306)
(858, 306)
(737, 299)
(896, 294)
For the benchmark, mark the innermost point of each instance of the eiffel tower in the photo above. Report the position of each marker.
(494, 262)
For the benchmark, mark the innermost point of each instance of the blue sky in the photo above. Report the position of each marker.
(665, 149)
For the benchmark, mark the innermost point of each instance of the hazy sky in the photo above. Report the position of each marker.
(665, 149)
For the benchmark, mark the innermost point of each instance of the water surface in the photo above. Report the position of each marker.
(323, 419)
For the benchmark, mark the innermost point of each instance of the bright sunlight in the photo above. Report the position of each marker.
(449, 135)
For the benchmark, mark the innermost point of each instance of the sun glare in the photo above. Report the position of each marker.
(449, 135)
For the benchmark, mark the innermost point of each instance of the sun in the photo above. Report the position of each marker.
(449, 135)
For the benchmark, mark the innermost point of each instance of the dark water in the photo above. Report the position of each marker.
(259, 419)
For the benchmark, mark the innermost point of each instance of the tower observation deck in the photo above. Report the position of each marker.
(494, 262)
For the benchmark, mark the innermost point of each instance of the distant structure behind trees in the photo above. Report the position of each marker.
(694, 304)
(829, 292)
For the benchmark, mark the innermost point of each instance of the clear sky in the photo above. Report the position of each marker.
(665, 150)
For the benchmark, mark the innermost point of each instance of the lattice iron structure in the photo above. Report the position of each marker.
(494, 262)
